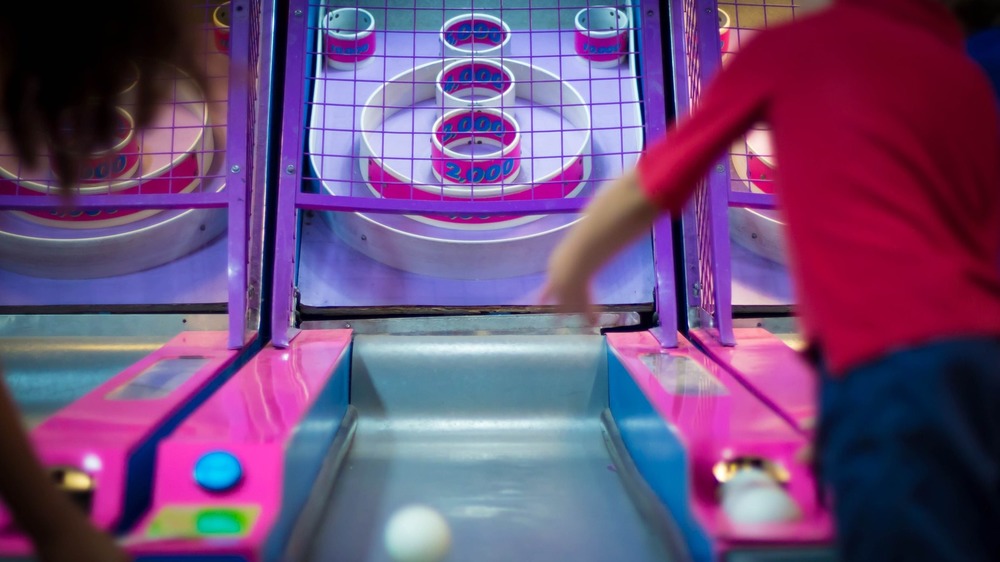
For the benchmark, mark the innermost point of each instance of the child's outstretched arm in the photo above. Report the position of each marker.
(619, 214)
(58, 529)
(664, 178)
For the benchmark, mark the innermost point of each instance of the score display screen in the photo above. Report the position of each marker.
(682, 375)
(159, 379)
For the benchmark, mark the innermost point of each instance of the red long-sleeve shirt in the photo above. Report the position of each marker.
(888, 144)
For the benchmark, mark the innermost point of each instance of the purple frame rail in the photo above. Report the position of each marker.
(251, 32)
(250, 40)
(291, 197)
(697, 57)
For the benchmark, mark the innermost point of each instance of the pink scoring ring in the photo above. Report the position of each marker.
(477, 35)
(724, 30)
(121, 160)
(460, 82)
(601, 35)
(180, 175)
(487, 126)
(415, 85)
(350, 37)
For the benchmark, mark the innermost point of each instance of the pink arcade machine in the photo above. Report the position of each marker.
(431, 157)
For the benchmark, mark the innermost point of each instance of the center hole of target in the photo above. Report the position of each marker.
(602, 20)
(349, 21)
(473, 148)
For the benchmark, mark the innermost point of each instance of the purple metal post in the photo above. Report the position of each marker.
(707, 26)
(656, 124)
(752, 200)
(698, 57)
(237, 170)
(193, 200)
(245, 151)
(263, 29)
(682, 98)
(291, 174)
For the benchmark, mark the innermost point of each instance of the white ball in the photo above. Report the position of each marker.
(751, 497)
(417, 533)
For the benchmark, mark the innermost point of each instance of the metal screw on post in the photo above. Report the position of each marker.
(297, 13)
(290, 169)
(720, 168)
(235, 169)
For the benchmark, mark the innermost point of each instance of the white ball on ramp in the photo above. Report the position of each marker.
(417, 533)
(751, 497)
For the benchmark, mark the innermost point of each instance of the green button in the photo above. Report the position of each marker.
(221, 522)
(196, 521)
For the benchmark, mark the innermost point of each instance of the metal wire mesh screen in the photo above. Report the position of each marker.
(245, 246)
(752, 155)
(711, 34)
(699, 63)
(557, 125)
(157, 195)
(178, 153)
(459, 139)
(253, 108)
(754, 223)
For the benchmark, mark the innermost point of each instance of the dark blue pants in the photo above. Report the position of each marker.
(909, 446)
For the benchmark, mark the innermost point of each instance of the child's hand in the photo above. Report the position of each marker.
(617, 215)
(567, 289)
(79, 541)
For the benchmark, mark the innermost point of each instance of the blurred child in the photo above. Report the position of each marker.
(62, 65)
(887, 138)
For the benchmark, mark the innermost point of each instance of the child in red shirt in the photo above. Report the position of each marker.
(889, 149)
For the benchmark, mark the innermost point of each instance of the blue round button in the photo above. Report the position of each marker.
(218, 471)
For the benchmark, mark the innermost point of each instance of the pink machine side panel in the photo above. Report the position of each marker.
(254, 416)
(723, 427)
(98, 433)
(776, 373)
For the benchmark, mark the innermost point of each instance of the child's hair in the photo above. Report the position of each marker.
(63, 65)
